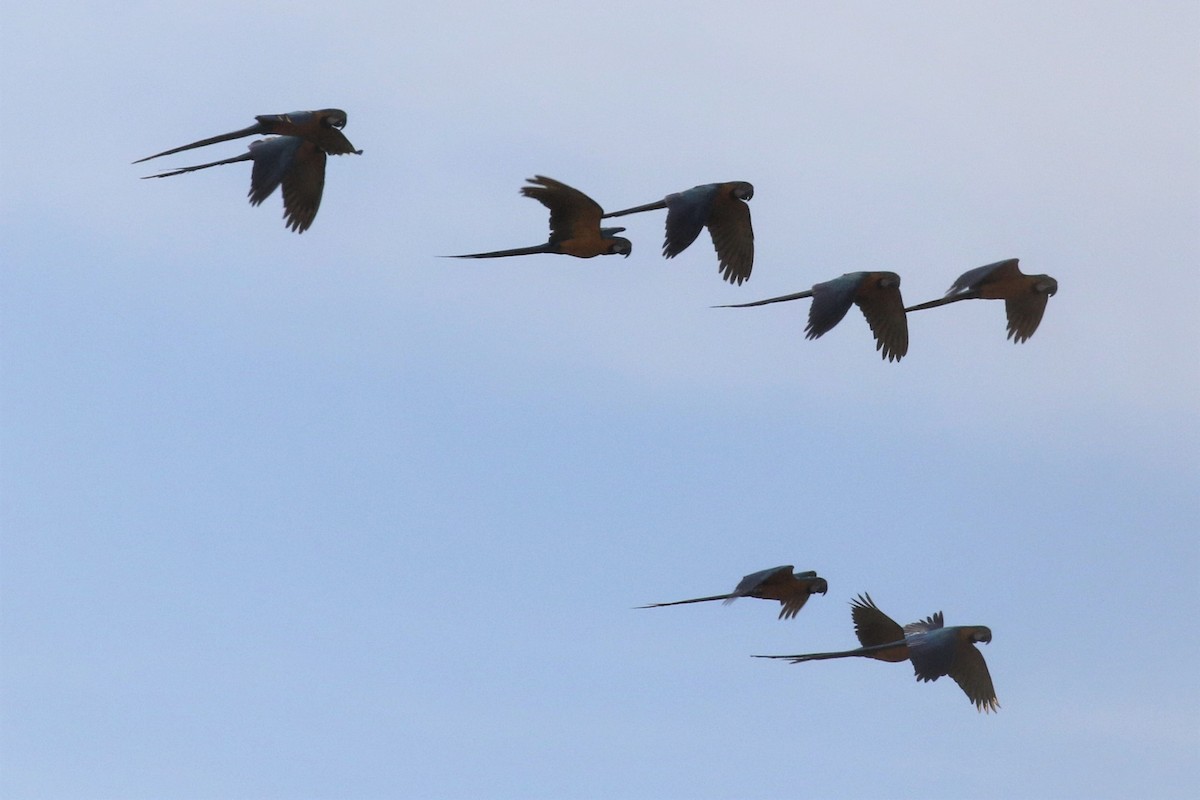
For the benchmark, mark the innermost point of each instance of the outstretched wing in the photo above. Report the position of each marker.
(831, 301)
(303, 186)
(687, 213)
(879, 298)
(755, 581)
(971, 280)
(1025, 314)
(872, 626)
(732, 235)
(930, 623)
(272, 159)
(573, 215)
(970, 672)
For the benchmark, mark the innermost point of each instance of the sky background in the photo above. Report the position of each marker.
(327, 516)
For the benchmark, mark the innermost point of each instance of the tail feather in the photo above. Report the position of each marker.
(234, 160)
(637, 209)
(224, 137)
(866, 652)
(519, 251)
(941, 301)
(693, 600)
(783, 299)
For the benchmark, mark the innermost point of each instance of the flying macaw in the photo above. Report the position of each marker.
(574, 224)
(876, 293)
(933, 649)
(1024, 296)
(778, 583)
(722, 208)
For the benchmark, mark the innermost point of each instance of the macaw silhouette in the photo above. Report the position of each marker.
(719, 206)
(1024, 296)
(574, 224)
(933, 649)
(297, 164)
(876, 293)
(322, 128)
(778, 583)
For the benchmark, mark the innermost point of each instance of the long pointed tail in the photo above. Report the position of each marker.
(868, 652)
(648, 207)
(224, 137)
(941, 301)
(519, 251)
(783, 299)
(234, 160)
(693, 600)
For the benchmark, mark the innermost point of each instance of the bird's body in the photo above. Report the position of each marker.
(877, 294)
(933, 649)
(1024, 296)
(722, 208)
(792, 590)
(322, 128)
(574, 224)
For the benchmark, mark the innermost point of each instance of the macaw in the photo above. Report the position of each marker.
(933, 649)
(719, 206)
(574, 224)
(1024, 296)
(778, 583)
(876, 293)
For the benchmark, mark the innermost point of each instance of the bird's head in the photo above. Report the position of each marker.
(888, 280)
(981, 633)
(619, 244)
(743, 190)
(819, 585)
(1044, 284)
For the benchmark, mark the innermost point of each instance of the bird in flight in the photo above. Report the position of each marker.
(876, 293)
(295, 159)
(574, 224)
(719, 206)
(933, 649)
(323, 128)
(1024, 296)
(778, 583)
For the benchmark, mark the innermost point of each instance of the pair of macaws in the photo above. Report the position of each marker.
(933, 649)
(294, 158)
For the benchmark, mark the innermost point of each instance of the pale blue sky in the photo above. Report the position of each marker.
(328, 516)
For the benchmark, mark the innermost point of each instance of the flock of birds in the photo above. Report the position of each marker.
(295, 155)
(294, 158)
(934, 649)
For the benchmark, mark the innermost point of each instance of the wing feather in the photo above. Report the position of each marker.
(883, 307)
(732, 237)
(303, 186)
